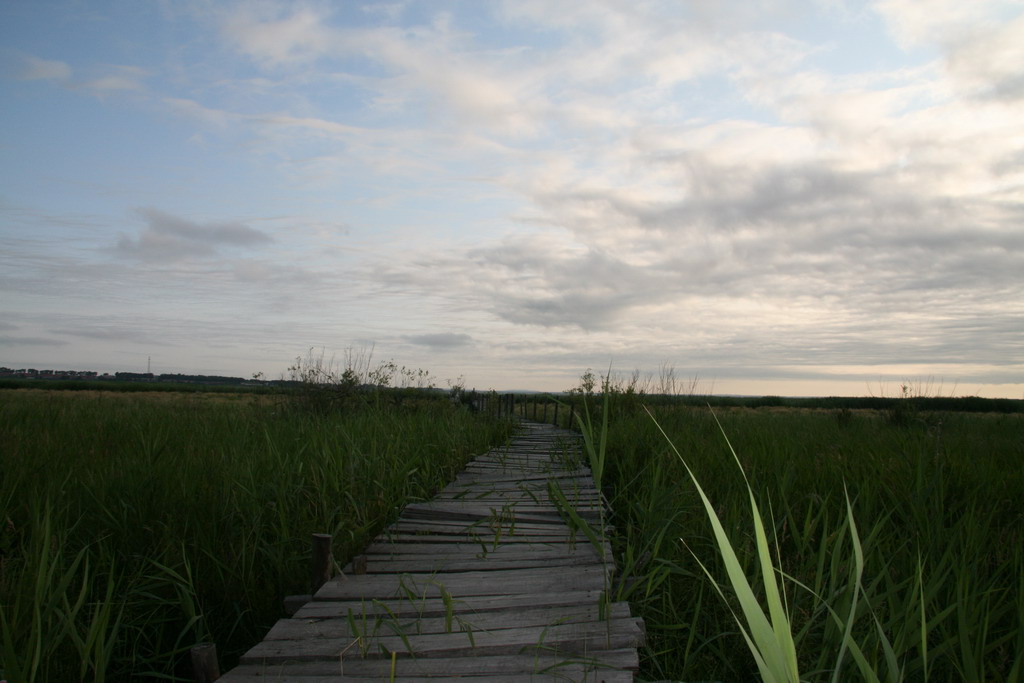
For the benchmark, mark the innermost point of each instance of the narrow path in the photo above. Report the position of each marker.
(486, 581)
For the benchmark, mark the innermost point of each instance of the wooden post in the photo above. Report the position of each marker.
(545, 411)
(320, 565)
(556, 416)
(205, 668)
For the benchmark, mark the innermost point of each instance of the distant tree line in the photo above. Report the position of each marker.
(198, 379)
(177, 378)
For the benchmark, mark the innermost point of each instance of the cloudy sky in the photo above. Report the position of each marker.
(775, 196)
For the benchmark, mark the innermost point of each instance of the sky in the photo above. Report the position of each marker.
(792, 197)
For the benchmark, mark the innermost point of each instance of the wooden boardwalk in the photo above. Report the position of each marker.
(486, 581)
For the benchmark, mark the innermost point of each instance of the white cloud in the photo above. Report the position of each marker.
(278, 35)
(36, 69)
(111, 83)
(110, 78)
(982, 43)
(988, 64)
(939, 21)
(313, 125)
(206, 115)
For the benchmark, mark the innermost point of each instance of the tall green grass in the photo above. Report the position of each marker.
(889, 551)
(134, 527)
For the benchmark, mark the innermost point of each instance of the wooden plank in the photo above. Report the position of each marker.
(520, 512)
(490, 540)
(460, 584)
(481, 562)
(515, 667)
(384, 675)
(515, 499)
(625, 658)
(489, 492)
(462, 547)
(411, 623)
(477, 532)
(508, 517)
(515, 479)
(500, 506)
(579, 639)
(436, 606)
(382, 560)
(551, 525)
(527, 531)
(478, 525)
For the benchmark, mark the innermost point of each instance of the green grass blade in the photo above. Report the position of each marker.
(773, 650)
(783, 636)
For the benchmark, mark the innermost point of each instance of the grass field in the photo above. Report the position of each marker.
(929, 587)
(135, 525)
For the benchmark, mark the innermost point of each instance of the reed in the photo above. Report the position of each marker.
(851, 549)
(135, 526)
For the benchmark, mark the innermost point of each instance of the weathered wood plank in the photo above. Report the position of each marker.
(411, 623)
(460, 584)
(551, 525)
(524, 667)
(478, 525)
(464, 547)
(515, 479)
(522, 512)
(384, 675)
(436, 606)
(520, 534)
(580, 639)
(440, 532)
(491, 490)
(402, 561)
(482, 562)
(502, 504)
(506, 517)
(490, 540)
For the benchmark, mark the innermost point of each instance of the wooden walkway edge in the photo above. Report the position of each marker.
(489, 580)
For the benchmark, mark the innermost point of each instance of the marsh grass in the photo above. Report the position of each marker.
(895, 550)
(133, 528)
(768, 636)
